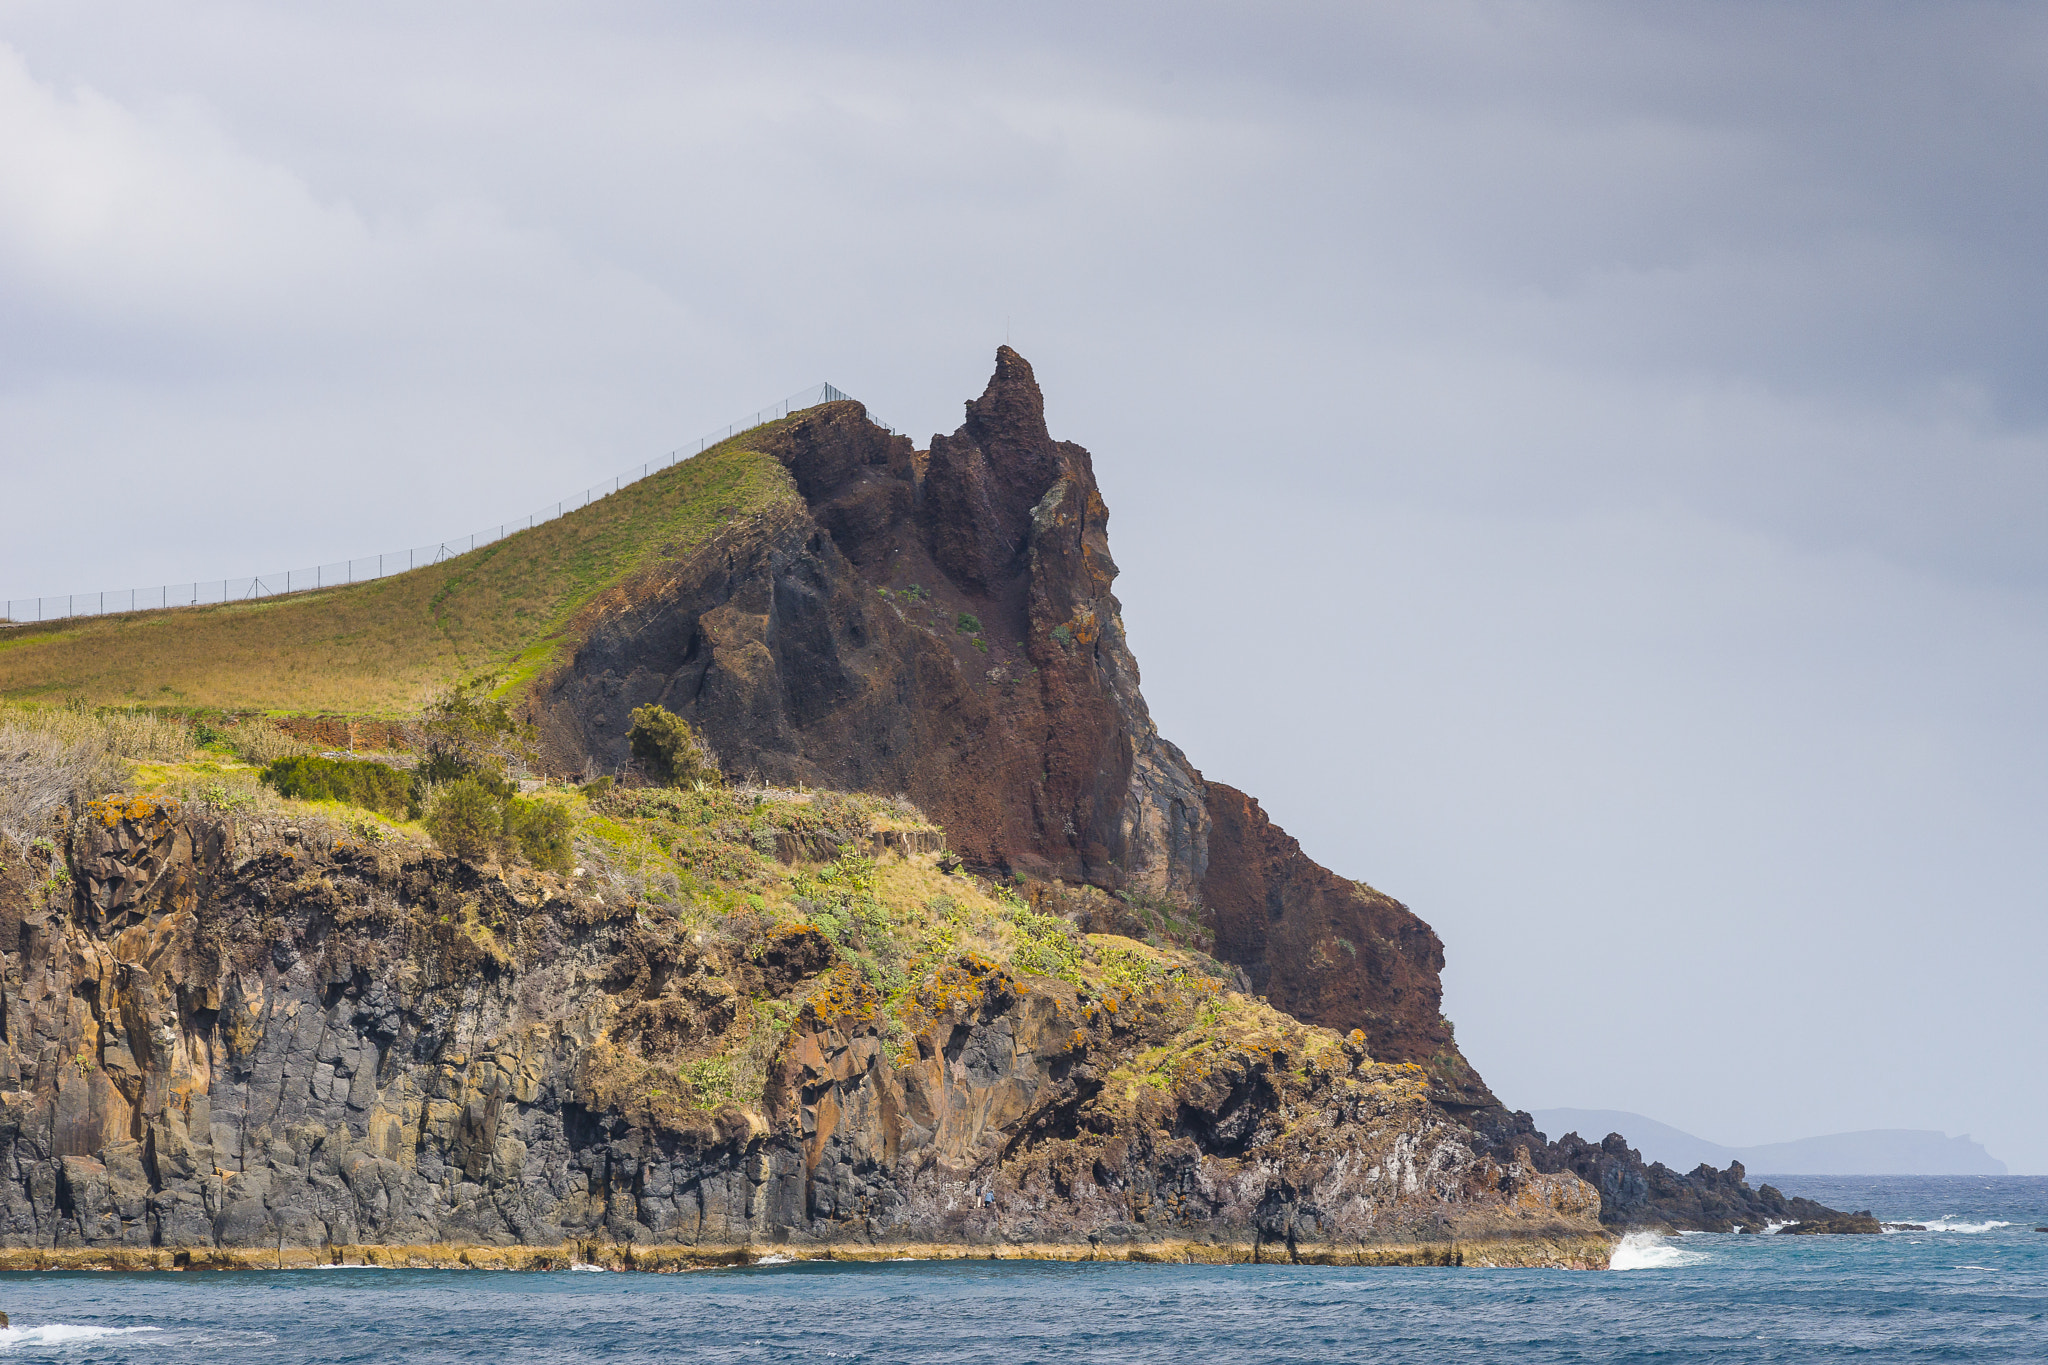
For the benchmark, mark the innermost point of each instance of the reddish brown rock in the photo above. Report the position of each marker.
(1328, 950)
(942, 624)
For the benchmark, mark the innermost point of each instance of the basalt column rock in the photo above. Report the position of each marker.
(228, 1042)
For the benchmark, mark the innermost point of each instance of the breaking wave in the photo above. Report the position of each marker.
(1648, 1251)
(58, 1333)
(1950, 1223)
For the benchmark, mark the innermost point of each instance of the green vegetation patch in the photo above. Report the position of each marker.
(669, 751)
(371, 648)
(355, 782)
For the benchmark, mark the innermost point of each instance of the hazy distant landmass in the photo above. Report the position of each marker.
(1875, 1151)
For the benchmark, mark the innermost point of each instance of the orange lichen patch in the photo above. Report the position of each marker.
(958, 987)
(843, 994)
(112, 810)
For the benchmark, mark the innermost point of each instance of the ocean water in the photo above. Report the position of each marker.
(1973, 1287)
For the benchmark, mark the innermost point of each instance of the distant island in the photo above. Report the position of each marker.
(1874, 1151)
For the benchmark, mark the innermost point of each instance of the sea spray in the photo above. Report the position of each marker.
(1648, 1251)
(1950, 1223)
(61, 1334)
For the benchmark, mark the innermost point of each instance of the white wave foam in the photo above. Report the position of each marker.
(57, 1333)
(774, 1260)
(1973, 1267)
(580, 1265)
(1949, 1223)
(1648, 1251)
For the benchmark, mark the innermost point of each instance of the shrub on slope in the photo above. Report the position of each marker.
(355, 782)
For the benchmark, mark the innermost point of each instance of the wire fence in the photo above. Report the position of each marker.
(367, 568)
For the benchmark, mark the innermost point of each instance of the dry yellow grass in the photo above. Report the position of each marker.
(373, 649)
(135, 734)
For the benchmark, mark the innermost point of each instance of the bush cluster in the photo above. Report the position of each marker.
(473, 817)
(459, 791)
(356, 782)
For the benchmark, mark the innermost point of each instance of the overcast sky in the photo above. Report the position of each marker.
(1584, 467)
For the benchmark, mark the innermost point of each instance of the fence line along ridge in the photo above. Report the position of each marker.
(369, 568)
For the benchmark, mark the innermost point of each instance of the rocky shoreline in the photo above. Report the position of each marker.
(1571, 1252)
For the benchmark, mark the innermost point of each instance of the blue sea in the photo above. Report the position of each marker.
(1973, 1287)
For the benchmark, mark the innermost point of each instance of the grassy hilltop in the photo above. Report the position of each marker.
(372, 649)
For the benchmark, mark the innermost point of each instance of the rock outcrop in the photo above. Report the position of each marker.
(226, 1039)
(1639, 1195)
(941, 623)
(1841, 1224)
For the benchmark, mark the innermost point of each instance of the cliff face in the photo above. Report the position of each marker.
(942, 624)
(229, 1038)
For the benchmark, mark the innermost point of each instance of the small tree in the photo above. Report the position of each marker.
(467, 818)
(542, 831)
(668, 750)
(468, 731)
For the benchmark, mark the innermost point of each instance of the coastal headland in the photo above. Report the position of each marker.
(785, 864)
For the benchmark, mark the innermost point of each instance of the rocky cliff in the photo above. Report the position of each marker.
(941, 623)
(237, 1027)
(246, 1037)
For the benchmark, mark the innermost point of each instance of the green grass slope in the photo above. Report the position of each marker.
(372, 649)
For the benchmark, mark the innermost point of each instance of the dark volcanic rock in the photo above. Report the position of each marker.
(942, 624)
(1634, 1194)
(1854, 1223)
(220, 1038)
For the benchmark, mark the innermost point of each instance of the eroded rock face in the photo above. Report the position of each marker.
(943, 624)
(1014, 1113)
(250, 1037)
